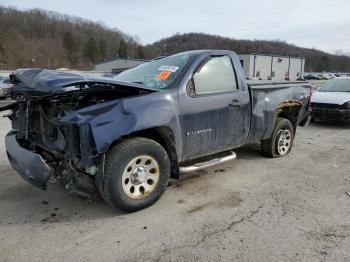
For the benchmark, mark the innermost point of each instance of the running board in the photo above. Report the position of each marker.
(212, 162)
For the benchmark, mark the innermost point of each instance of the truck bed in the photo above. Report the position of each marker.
(266, 96)
(271, 84)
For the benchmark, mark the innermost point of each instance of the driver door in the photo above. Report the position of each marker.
(212, 115)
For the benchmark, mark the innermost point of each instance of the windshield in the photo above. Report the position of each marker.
(159, 73)
(336, 85)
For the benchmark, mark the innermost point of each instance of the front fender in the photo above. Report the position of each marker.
(111, 120)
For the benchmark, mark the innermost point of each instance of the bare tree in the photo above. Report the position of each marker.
(55, 40)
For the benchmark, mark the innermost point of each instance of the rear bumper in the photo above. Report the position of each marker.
(29, 165)
(330, 114)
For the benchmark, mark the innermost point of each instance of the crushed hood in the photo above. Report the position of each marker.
(43, 81)
(338, 98)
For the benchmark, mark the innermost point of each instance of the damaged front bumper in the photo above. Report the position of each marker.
(29, 165)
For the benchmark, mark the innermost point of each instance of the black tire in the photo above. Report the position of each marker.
(116, 161)
(269, 147)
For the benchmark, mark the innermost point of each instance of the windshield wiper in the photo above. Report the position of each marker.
(139, 82)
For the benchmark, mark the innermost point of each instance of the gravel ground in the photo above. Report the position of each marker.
(252, 209)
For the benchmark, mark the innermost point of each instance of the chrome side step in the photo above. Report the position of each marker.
(212, 162)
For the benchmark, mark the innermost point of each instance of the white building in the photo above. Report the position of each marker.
(272, 67)
(118, 65)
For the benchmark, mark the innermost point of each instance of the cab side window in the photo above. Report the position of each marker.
(216, 76)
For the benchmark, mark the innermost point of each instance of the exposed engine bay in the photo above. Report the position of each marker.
(39, 122)
(38, 119)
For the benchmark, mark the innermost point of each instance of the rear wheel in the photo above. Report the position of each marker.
(281, 141)
(137, 172)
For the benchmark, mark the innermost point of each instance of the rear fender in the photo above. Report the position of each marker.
(287, 109)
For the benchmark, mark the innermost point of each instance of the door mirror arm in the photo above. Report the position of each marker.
(201, 65)
(190, 89)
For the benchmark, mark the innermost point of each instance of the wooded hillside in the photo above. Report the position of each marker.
(39, 38)
(315, 60)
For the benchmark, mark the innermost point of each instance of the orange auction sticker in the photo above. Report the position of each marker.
(164, 75)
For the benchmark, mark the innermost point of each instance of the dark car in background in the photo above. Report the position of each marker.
(332, 100)
(311, 77)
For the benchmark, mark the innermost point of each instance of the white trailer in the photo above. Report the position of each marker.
(272, 67)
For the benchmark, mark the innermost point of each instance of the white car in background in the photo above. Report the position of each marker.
(6, 87)
(332, 100)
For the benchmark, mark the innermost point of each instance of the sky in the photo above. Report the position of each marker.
(320, 24)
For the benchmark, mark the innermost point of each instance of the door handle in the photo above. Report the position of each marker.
(234, 103)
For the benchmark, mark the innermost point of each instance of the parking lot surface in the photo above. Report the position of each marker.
(251, 209)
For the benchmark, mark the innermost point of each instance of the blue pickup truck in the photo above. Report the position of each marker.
(125, 137)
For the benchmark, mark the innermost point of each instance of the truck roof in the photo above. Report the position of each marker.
(197, 52)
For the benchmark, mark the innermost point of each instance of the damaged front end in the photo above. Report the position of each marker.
(53, 136)
(40, 147)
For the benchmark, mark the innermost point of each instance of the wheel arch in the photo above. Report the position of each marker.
(289, 110)
(165, 137)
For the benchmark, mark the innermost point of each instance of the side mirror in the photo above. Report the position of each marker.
(190, 89)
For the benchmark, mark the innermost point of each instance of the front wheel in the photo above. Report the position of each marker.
(281, 141)
(137, 172)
